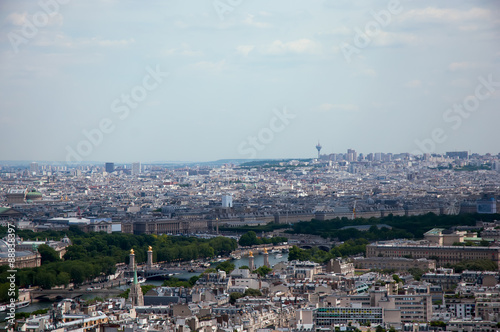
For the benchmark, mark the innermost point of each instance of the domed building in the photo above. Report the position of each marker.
(34, 195)
(23, 258)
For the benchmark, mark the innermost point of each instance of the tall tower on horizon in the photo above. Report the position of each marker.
(136, 168)
(318, 147)
(109, 167)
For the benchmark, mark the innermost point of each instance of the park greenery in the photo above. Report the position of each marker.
(93, 256)
(475, 265)
(348, 248)
(269, 227)
(400, 226)
(96, 255)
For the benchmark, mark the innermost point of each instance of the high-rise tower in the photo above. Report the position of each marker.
(318, 147)
(136, 168)
(109, 167)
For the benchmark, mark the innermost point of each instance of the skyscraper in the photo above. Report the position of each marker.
(136, 168)
(351, 155)
(110, 167)
(34, 168)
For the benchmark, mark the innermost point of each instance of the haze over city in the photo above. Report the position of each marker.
(249, 165)
(374, 76)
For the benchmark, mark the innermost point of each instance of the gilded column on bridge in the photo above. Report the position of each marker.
(149, 265)
(266, 258)
(131, 264)
(251, 263)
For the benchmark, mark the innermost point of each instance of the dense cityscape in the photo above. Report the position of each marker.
(249, 166)
(339, 242)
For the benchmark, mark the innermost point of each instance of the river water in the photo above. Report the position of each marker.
(258, 261)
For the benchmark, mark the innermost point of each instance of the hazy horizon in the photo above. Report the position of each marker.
(208, 80)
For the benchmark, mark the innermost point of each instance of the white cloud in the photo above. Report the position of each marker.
(108, 42)
(338, 31)
(185, 50)
(61, 40)
(456, 66)
(249, 20)
(245, 49)
(19, 19)
(384, 38)
(209, 65)
(445, 14)
(299, 46)
(337, 107)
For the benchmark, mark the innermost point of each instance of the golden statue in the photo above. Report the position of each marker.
(150, 248)
(131, 251)
(250, 253)
(265, 250)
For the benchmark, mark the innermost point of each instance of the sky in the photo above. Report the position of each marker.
(201, 80)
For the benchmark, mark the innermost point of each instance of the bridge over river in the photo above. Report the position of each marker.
(58, 294)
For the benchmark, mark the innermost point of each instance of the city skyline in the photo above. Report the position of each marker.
(251, 80)
(325, 154)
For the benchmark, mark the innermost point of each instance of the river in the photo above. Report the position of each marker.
(258, 261)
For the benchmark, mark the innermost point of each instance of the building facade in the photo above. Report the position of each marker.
(443, 254)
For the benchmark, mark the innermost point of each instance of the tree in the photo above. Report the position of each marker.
(248, 239)
(48, 254)
(438, 323)
(484, 243)
(396, 278)
(193, 280)
(63, 278)
(252, 292)
(476, 265)
(78, 273)
(4, 292)
(45, 279)
(234, 296)
(416, 273)
(263, 270)
(75, 252)
(226, 266)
